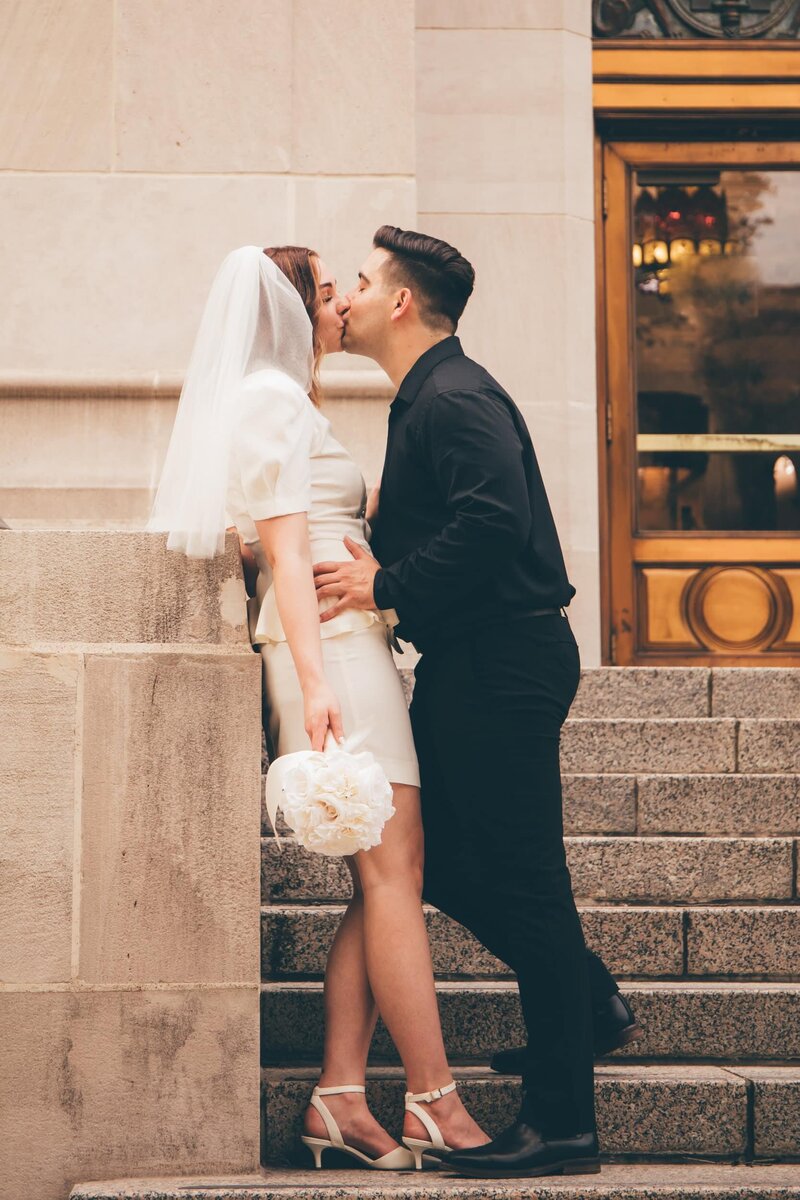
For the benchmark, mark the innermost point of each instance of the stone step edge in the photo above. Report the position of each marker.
(617, 1181)
(616, 838)
(496, 985)
(677, 1070)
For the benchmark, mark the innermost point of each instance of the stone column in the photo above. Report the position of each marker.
(504, 171)
(129, 863)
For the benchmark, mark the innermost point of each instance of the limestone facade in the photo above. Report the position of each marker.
(129, 862)
(140, 143)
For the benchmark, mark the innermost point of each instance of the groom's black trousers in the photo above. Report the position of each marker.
(487, 713)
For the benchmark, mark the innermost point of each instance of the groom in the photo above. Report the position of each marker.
(467, 553)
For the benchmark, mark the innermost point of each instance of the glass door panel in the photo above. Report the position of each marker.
(701, 316)
(715, 263)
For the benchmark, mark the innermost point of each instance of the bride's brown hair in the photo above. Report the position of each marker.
(298, 267)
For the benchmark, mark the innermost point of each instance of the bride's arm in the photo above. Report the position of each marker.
(286, 545)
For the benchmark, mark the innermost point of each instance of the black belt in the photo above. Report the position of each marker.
(546, 612)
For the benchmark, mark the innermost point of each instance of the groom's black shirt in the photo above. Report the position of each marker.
(465, 533)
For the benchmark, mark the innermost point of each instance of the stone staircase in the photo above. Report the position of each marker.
(682, 807)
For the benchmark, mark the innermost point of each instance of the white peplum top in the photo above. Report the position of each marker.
(284, 459)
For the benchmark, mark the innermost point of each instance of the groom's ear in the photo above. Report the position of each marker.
(402, 303)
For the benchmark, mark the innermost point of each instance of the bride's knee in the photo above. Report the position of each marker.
(405, 875)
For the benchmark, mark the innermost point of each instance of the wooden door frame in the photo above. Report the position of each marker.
(644, 95)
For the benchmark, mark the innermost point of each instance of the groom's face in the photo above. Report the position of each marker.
(371, 301)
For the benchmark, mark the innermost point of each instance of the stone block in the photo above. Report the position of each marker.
(756, 692)
(505, 14)
(680, 869)
(744, 941)
(620, 869)
(38, 723)
(620, 1181)
(140, 591)
(731, 1022)
(170, 818)
(769, 745)
(719, 804)
(776, 1110)
(641, 692)
(471, 122)
(657, 1111)
(187, 78)
(338, 218)
(170, 232)
(599, 803)
(353, 88)
(108, 1083)
(641, 942)
(624, 746)
(57, 75)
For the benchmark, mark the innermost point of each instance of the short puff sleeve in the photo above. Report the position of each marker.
(271, 447)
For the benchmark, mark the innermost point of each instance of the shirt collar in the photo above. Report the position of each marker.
(409, 388)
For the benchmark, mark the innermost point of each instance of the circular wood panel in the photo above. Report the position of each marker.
(737, 608)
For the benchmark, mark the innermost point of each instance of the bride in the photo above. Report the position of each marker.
(250, 448)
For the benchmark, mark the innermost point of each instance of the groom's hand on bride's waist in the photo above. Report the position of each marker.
(350, 583)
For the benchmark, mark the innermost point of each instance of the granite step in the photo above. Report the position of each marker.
(704, 805)
(687, 1021)
(627, 870)
(618, 1181)
(642, 1112)
(683, 692)
(641, 943)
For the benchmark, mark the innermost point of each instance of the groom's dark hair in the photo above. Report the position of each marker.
(440, 278)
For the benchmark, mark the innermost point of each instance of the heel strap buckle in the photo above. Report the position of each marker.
(429, 1097)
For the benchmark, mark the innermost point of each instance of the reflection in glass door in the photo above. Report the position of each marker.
(705, 458)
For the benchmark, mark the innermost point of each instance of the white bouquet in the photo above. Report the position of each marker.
(335, 802)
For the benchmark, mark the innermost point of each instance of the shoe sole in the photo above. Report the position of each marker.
(577, 1166)
(624, 1038)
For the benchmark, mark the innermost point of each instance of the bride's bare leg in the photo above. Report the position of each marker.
(350, 1018)
(399, 967)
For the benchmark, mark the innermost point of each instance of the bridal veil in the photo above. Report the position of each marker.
(254, 319)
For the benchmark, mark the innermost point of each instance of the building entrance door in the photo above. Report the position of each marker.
(701, 263)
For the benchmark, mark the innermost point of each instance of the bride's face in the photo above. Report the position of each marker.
(330, 325)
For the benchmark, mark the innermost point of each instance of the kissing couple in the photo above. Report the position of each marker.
(456, 552)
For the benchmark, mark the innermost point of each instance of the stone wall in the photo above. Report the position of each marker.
(505, 172)
(154, 139)
(129, 862)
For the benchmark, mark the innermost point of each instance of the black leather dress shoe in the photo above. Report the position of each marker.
(614, 1026)
(521, 1150)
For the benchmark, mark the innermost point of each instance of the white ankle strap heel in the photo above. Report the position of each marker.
(396, 1160)
(417, 1146)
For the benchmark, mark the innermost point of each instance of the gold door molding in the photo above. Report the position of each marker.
(683, 583)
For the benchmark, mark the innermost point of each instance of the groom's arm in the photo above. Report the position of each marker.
(475, 453)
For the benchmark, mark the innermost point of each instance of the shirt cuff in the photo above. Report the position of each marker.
(382, 590)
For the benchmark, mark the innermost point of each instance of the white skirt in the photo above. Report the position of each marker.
(360, 668)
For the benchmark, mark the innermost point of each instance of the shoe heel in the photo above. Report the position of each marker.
(316, 1147)
(418, 1149)
(582, 1166)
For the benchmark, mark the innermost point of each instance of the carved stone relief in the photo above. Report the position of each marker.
(696, 18)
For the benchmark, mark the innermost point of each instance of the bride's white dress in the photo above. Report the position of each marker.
(284, 459)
